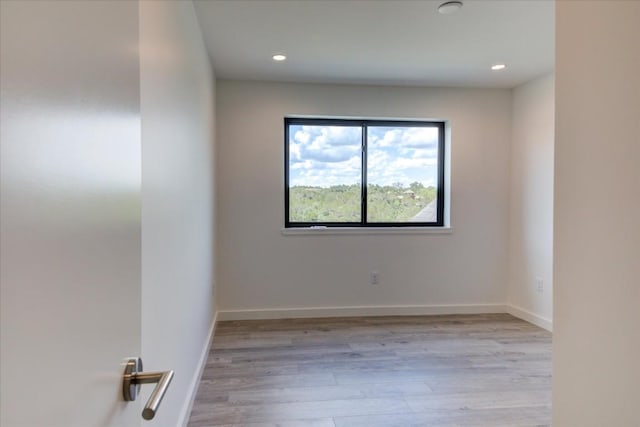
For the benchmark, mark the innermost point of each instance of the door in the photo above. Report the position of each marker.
(69, 211)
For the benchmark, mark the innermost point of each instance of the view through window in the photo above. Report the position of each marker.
(363, 173)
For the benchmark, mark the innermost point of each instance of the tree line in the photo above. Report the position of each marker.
(341, 203)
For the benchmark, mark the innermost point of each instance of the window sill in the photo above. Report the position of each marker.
(342, 231)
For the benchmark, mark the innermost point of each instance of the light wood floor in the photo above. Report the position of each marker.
(471, 370)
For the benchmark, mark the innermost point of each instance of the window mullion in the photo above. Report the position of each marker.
(363, 202)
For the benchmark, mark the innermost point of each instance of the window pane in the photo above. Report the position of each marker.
(402, 173)
(325, 167)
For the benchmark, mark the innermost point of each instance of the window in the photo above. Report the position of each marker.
(363, 173)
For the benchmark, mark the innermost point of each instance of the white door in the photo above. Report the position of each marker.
(70, 211)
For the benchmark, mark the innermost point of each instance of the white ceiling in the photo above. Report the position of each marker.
(390, 42)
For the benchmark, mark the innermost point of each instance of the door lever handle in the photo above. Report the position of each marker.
(133, 378)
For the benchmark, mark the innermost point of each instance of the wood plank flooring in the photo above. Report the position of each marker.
(464, 370)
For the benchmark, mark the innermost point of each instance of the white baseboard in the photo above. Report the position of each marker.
(530, 317)
(397, 310)
(183, 420)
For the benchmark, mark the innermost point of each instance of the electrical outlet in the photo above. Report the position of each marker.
(375, 277)
(539, 284)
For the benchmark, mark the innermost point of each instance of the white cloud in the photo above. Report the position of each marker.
(377, 159)
(307, 164)
(419, 137)
(330, 155)
(407, 163)
(403, 137)
(423, 153)
(294, 152)
(301, 137)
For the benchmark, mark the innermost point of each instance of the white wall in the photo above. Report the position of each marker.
(260, 269)
(177, 105)
(531, 201)
(597, 206)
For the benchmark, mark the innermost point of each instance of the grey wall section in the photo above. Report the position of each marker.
(177, 101)
(260, 269)
(531, 201)
(596, 321)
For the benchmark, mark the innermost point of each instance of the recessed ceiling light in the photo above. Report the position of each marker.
(279, 57)
(449, 7)
(498, 67)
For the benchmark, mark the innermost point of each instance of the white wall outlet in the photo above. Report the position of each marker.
(375, 277)
(539, 284)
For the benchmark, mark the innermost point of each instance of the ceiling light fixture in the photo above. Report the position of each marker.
(279, 57)
(449, 7)
(498, 67)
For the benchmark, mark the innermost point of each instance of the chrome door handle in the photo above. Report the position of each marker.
(132, 379)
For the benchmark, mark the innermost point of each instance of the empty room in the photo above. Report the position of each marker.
(390, 307)
(322, 213)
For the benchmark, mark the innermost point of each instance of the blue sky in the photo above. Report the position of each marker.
(323, 156)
